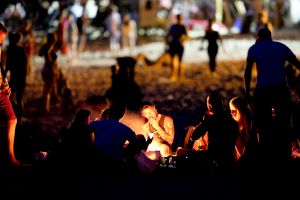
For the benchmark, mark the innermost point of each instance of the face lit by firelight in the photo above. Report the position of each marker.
(235, 113)
(149, 112)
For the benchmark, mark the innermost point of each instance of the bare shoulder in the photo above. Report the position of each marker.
(169, 121)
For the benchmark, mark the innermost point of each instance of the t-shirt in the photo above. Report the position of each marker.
(110, 137)
(270, 58)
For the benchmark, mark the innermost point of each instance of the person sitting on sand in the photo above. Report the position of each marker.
(160, 129)
(222, 131)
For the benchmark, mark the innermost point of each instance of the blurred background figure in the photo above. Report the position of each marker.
(82, 24)
(28, 43)
(72, 36)
(16, 64)
(212, 37)
(49, 70)
(62, 32)
(176, 37)
(129, 34)
(113, 23)
(263, 21)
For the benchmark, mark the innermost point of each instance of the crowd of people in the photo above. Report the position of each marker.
(237, 136)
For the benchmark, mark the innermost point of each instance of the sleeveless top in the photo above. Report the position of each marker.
(152, 129)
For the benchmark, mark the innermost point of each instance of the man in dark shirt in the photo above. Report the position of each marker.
(111, 136)
(271, 98)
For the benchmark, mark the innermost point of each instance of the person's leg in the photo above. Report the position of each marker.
(282, 122)
(212, 53)
(262, 115)
(19, 98)
(180, 69)
(175, 68)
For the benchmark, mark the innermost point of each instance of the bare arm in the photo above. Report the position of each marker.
(247, 76)
(293, 60)
(167, 132)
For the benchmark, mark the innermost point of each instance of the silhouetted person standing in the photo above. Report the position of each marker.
(212, 37)
(271, 98)
(17, 65)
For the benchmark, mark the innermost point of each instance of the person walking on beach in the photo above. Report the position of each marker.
(212, 37)
(271, 97)
(176, 37)
(8, 120)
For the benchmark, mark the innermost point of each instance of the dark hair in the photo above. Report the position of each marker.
(215, 99)
(116, 111)
(81, 116)
(51, 38)
(264, 34)
(14, 38)
(242, 105)
(178, 17)
(146, 104)
(3, 29)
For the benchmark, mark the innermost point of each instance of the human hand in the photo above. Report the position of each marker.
(295, 153)
(154, 123)
(5, 89)
(190, 128)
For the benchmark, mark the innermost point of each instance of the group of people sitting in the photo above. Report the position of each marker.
(223, 138)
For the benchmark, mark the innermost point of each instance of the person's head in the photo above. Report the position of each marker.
(51, 38)
(214, 102)
(264, 34)
(3, 33)
(82, 117)
(149, 111)
(116, 111)
(104, 113)
(263, 16)
(14, 38)
(239, 108)
(126, 19)
(112, 8)
(179, 18)
(211, 22)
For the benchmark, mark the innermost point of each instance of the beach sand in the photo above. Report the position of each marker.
(184, 99)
